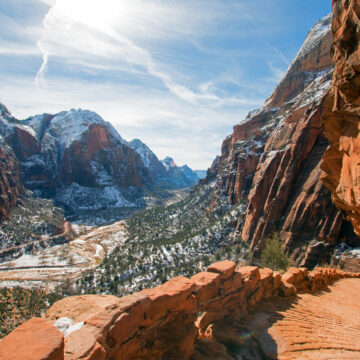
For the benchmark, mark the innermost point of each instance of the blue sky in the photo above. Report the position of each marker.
(176, 74)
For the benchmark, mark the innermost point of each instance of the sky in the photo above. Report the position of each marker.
(176, 74)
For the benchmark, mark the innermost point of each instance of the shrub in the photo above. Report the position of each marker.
(273, 255)
(18, 305)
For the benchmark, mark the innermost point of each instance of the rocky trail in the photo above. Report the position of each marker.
(320, 325)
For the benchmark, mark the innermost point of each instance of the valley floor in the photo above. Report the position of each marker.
(48, 267)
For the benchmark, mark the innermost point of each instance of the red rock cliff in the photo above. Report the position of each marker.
(271, 162)
(341, 163)
(10, 184)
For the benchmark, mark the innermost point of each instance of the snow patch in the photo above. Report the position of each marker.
(64, 324)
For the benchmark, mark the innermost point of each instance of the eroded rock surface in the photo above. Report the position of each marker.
(10, 183)
(205, 317)
(34, 340)
(341, 164)
(271, 162)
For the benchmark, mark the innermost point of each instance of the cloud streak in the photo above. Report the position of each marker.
(177, 74)
(45, 57)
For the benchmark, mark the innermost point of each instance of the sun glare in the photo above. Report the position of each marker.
(101, 15)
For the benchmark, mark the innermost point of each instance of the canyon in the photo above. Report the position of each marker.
(272, 160)
(290, 168)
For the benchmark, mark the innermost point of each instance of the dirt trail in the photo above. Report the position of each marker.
(323, 325)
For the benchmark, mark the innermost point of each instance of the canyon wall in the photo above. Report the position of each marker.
(341, 166)
(10, 183)
(271, 162)
(172, 321)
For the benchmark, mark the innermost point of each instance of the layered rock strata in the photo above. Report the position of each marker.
(271, 162)
(169, 321)
(10, 183)
(341, 164)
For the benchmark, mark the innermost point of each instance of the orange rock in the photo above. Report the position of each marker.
(341, 165)
(98, 353)
(106, 317)
(267, 282)
(169, 295)
(250, 275)
(10, 182)
(127, 324)
(225, 268)
(207, 284)
(81, 343)
(79, 308)
(34, 340)
(256, 296)
(287, 289)
(232, 284)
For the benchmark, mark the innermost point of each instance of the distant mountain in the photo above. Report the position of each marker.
(165, 174)
(200, 173)
(78, 159)
(154, 166)
(81, 161)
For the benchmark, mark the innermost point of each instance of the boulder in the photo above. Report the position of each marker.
(225, 268)
(36, 339)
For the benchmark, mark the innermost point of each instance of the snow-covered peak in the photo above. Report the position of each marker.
(4, 112)
(313, 38)
(67, 126)
(8, 123)
(143, 150)
(169, 163)
(315, 35)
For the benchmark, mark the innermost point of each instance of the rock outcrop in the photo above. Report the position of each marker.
(36, 339)
(10, 183)
(341, 164)
(176, 320)
(271, 162)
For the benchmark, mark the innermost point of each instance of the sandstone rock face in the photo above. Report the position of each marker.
(271, 162)
(196, 318)
(282, 336)
(10, 183)
(341, 121)
(79, 146)
(312, 58)
(79, 308)
(34, 340)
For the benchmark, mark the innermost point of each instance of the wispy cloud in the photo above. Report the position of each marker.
(45, 56)
(177, 74)
(66, 29)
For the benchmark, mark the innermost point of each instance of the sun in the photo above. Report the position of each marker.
(99, 14)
